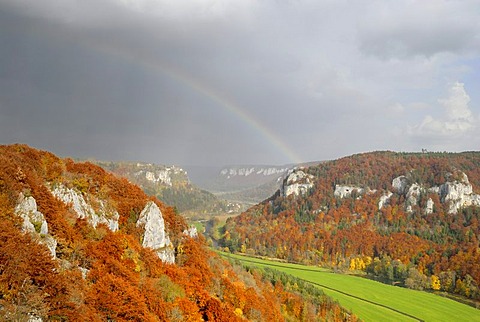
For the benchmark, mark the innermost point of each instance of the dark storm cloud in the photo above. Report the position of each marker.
(219, 82)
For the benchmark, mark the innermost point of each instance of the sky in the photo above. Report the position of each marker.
(217, 82)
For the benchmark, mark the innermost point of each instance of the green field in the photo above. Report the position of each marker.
(373, 301)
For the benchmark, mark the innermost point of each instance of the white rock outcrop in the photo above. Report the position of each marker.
(191, 232)
(84, 210)
(297, 183)
(400, 185)
(429, 206)
(384, 199)
(458, 194)
(412, 196)
(34, 222)
(271, 171)
(34, 318)
(155, 236)
(344, 191)
(247, 171)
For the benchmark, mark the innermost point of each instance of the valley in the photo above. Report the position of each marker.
(410, 221)
(78, 243)
(234, 161)
(425, 190)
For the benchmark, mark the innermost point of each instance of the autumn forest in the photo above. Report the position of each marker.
(399, 223)
(62, 261)
(75, 242)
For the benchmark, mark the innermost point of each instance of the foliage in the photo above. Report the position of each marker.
(100, 275)
(320, 228)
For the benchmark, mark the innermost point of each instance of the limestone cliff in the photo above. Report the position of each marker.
(155, 236)
(297, 183)
(79, 205)
(34, 222)
(456, 193)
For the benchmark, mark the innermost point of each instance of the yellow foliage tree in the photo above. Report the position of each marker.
(435, 282)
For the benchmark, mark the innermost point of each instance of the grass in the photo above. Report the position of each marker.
(370, 300)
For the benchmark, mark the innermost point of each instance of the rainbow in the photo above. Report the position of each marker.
(221, 101)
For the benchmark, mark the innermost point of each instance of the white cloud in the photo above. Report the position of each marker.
(456, 121)
(456, 105)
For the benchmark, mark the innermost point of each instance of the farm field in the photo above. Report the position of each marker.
(370, 300)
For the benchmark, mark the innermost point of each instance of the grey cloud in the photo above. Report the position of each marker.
(157, 80)
(426, 28)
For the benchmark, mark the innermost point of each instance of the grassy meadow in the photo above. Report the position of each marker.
(370, 300)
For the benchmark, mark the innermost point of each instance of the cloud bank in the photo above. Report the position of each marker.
(201, 82)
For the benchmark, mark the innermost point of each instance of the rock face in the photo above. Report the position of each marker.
(384, 199)
(191, 232)
(157, 174)
(400, 185)
(456, 193)
(34, 318)
(247, 171)
(343, 191)
(155, 236)
(297, 183)
(83, 210)
(34, 222)
(412, 195)
(429, 206)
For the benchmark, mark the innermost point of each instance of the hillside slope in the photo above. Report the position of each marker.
(171, 185)
(411, 219)
(79, 244)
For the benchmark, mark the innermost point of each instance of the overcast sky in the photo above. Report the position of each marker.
(239, 82)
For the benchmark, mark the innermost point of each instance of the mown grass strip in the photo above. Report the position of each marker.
(355, 293)
(374, 311)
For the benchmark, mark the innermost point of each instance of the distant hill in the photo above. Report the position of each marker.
(406, 218)
(171, 185)
(235, 178)
(249, 184)
(78, 243)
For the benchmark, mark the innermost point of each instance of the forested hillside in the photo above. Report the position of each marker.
(79, 244)
(409, 219)
(172, 186)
